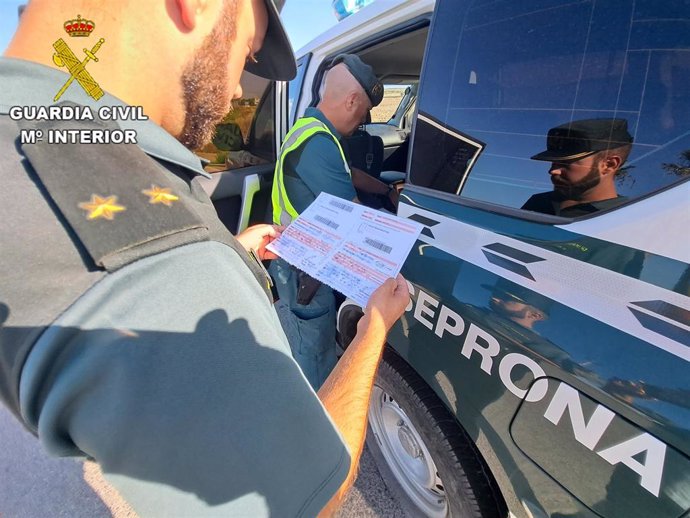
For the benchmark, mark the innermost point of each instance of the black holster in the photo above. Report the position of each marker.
(306, 288)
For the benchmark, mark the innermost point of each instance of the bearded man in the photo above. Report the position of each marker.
(585, 157)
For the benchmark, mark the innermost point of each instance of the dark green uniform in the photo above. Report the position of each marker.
(134, 331)
(549, 203)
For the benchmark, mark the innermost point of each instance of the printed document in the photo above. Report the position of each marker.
(350, 247)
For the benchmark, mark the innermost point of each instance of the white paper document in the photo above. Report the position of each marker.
(350, 247)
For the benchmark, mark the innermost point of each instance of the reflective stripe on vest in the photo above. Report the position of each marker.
(304, 129)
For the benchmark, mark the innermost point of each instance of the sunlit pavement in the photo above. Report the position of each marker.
(33, 485)
(369, 498)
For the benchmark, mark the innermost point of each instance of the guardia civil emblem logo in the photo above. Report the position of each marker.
(64, 57)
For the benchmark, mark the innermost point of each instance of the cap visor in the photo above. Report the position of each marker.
(549, 156)
(275, 60)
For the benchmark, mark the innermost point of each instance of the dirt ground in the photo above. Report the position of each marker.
(384, 111)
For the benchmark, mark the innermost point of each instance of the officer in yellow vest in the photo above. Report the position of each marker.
(312, 161)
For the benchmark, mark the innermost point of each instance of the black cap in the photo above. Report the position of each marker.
(364, 75)
(578, 139)
(275, 60)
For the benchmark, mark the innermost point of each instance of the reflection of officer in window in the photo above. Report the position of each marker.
(585, 157)
(515, 311)
(517, 304)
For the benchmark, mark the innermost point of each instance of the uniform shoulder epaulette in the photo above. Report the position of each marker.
(117, 200)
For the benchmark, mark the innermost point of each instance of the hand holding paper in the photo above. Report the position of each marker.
(352, 248)
(388, 301)
(257, 237)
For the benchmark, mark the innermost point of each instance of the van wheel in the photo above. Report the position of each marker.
(426, 460)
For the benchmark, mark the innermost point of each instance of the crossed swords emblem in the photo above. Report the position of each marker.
(64, 57)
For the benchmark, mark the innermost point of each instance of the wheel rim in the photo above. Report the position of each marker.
(406, 455)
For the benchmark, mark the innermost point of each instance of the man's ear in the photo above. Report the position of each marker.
(351, 101)
(610, 164)
(189, 10)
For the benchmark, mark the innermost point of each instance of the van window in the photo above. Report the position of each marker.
(295, 87)
(261, 141)
(393, 96)
(487, 103)
(245, 135)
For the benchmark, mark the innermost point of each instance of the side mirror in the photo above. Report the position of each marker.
(228, 137)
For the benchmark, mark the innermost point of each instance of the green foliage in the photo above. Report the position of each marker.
(221, 157)
(228, 137)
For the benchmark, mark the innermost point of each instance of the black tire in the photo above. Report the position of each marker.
(348, 317)
(468, 489)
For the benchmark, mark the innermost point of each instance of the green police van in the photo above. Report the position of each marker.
(542, 366)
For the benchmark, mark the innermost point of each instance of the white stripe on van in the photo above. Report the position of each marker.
(658, 224)
(592, 290)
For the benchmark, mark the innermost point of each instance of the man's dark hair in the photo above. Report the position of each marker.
(622, 151)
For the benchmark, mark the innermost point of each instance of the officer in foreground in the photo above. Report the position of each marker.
(585, 157)
(312, 161)
(136, 330)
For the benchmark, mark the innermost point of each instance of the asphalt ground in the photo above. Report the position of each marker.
(369, 498)
(33, 485)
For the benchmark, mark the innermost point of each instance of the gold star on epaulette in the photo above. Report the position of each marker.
(101, 207)
(162, 195)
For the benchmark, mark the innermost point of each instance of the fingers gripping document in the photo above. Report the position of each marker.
(350, 247)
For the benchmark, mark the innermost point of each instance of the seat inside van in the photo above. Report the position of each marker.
(364, 151)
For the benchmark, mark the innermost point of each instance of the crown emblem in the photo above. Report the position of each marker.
(79, 28)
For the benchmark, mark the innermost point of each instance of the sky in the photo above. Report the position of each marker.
(303, 20)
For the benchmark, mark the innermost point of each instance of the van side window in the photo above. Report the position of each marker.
(245, 135)
(488, 102)
(295, 87)
(395, 98)
(261, 142)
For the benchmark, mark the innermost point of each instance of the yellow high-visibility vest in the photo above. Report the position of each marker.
(304, 128)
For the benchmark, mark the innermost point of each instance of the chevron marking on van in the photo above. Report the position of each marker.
(663, 318)
(511, 266)
(428, 223)
(503, 255)
(594, 291)
(514, 253)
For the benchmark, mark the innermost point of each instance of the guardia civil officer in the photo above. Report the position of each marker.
(137, 331)
(312, 161)
(585, 155)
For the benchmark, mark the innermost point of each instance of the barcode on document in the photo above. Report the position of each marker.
(326, 222)
(341, 205)
(378, 245)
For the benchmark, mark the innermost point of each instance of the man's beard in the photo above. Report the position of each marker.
(205, 82)
(576, 190)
